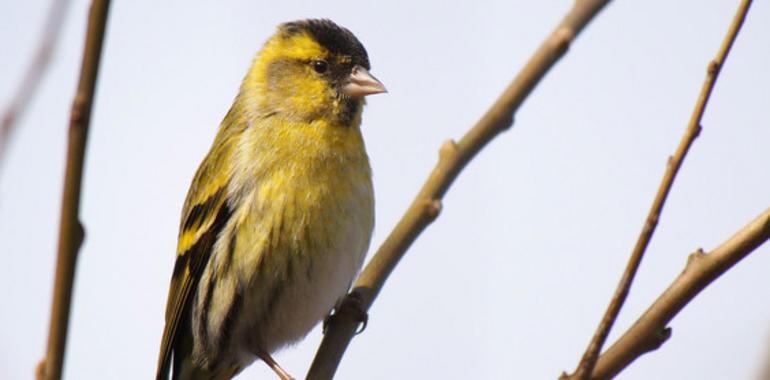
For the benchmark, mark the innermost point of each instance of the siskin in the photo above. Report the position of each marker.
(279, 215)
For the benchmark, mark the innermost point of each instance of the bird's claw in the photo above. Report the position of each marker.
(353, 303)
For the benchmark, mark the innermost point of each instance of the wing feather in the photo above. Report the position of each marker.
(205, 213)
(187, 272)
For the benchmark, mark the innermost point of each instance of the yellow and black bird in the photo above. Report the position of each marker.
(279, 216)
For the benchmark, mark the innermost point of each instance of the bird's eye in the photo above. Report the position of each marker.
(320, 66)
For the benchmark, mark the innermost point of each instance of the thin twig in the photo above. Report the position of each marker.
(70, 229)
(649, 332)
(764, 373)
(426, 206)
(674, 163)
(34, 73)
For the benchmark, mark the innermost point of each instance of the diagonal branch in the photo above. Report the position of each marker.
(650, 330)
(34, 74)
(70, 229)
(674, 163)
(426, 206)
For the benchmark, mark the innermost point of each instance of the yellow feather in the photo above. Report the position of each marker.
(278, 216)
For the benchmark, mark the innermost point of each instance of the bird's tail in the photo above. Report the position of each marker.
(186, 369)
(182, 367)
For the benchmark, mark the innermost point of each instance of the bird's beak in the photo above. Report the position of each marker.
(360, 83)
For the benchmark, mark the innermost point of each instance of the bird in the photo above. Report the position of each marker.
(280, 213)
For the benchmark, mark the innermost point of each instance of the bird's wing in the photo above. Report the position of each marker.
(206, 212)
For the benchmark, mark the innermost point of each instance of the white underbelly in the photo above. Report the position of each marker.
(282, 305)
(307, 299)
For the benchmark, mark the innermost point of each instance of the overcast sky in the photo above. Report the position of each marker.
(513, 277)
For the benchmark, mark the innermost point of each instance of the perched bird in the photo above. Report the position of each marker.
(279, 215)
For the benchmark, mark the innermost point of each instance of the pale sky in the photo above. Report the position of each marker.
(513, 277)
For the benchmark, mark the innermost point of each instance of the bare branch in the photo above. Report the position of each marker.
(426, 206)
(70, 229)
(674, 163)
(764, 373)
(650, 331)
(34, 74)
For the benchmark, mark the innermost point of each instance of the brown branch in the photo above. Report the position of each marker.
(650, 331)
(34, 74)
(764, 373)
(70, 228)
(426, 206)
(674, 163)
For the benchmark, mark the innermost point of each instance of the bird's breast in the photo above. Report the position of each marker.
(308, 221)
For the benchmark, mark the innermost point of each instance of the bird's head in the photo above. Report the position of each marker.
(312, 69)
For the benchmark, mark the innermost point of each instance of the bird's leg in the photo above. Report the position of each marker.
(274, 366)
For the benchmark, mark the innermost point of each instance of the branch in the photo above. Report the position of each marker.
(34, 73)
(70, 228)
(427, 205)
(765, 371)
(674, 163)
(649, 332)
